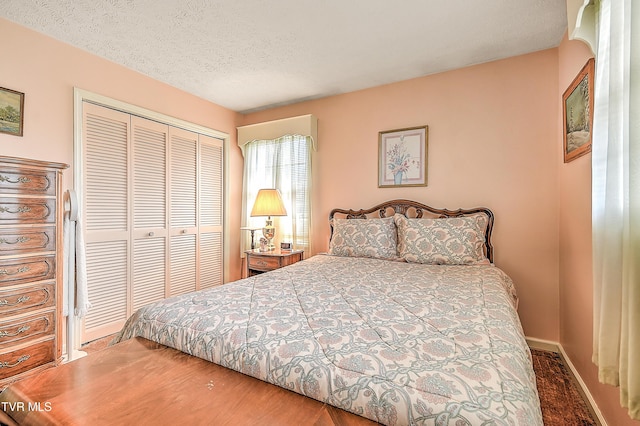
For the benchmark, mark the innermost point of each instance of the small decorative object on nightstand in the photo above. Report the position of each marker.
(259, 262)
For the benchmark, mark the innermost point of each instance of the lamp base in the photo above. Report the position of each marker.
(269, 231)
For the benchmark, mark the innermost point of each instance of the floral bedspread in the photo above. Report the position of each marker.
(397, 343)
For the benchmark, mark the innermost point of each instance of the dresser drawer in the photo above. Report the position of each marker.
(31, 209)
(26, 269)
(27, 210)
(27, 298)
(16, 361)
(27, 240)
(25, 181)
(26, 329)
(263, 263)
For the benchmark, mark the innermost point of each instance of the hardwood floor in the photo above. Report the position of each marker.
(97, 345)
(560, 399)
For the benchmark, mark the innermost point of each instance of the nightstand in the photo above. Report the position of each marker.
(264, 261)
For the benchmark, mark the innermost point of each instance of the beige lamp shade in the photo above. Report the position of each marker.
(268, 203)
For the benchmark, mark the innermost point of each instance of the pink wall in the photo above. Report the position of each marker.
(576, 290)
(495, 139)
(47, 71)
(492, 142)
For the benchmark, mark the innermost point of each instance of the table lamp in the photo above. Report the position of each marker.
(268, 203)
(252, 230)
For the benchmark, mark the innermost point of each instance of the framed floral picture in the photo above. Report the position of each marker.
(577, 108)
(402, 157)
(11, 111)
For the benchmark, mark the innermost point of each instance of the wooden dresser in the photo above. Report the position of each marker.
(265, 261)
(31, 214)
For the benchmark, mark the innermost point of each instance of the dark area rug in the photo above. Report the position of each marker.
(560, 400)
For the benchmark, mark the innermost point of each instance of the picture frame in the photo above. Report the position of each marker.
(577, 114)
(285, 246)
(11, 112)
(402, 157)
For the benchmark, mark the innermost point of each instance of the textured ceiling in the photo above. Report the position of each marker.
(252, 54)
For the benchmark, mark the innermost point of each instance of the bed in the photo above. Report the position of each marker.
(404, 321)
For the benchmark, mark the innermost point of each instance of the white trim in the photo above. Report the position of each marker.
(543, 345)
(547, 345)
(304, 125)
(84, 95)
(582, 18)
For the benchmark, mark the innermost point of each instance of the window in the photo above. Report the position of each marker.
(283, 163)
(616, 201)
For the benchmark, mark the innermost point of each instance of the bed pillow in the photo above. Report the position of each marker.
(376, 238)
(445, 241)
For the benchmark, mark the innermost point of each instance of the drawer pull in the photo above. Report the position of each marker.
(23, 209)
(17, 241)
(19, 361)
(19, 271)
(19, 331)
(21, 299)
(261, 263)
(22, 179)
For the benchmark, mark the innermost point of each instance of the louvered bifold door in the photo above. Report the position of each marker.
(150, 233)
(211, 212)
(183, 210)
(153, 205)
(106, 218)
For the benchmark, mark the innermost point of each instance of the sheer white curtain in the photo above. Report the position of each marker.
(616, 201)
(285, 164)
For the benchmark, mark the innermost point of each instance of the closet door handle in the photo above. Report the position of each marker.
(151, 234)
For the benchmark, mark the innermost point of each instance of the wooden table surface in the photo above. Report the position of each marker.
(141, 382)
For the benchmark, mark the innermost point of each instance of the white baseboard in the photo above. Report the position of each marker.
(543, 345)
(70, 356)
(546, 345)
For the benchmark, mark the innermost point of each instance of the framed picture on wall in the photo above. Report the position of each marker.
(402, 157)
(577, 109)
(11, 111)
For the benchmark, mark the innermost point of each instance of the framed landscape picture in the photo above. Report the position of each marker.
(577, 108)
(11, 111)
(402, 157)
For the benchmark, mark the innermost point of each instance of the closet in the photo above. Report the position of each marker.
(153, 213)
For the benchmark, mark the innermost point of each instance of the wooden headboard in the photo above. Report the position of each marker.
(414, 209)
